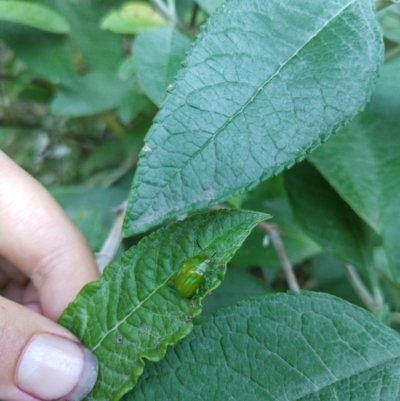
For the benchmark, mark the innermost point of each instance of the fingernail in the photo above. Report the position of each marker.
(54, 368)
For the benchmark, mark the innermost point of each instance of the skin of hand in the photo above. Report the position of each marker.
(44, 262)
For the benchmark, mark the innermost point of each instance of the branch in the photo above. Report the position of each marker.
(113, 240)
(381, 4)
(275, 237)
(360, 288)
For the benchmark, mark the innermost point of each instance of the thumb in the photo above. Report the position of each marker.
(41, 360)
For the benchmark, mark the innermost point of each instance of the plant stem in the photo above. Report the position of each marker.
(360, 288)
(374, 284)
(171, 7)
(376, 290)
(381, 4)
(113, 240)
(275, 238)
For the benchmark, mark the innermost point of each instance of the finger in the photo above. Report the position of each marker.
(14, 292)
(38, 238)
(24, 295)
(30, 299)
(41, 360)
(4, 279)
(14, 274)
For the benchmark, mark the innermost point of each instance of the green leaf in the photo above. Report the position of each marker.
(328, 275)
(158, 56)
(134, 312)
(268, 198)
(256, 95)
(47, 55)
(209, 6)
(33, 15)
(390, 22)
(304, 347)
(94, 93)
(127, 69)
(298, 245)
(327, 219)
(184, 10)
(35, 93)
(237, 285)
(102, 50)
(132, 19)
(362, 163)
(132, 103)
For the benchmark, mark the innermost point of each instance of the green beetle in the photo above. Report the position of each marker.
(191, 275)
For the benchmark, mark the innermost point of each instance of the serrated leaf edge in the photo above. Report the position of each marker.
(158, 353)
(129, 228)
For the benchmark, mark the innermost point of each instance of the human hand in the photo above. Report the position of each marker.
(44, 262)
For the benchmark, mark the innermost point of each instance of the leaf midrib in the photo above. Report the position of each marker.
(140, 304)
(359, 372)
(267, 81)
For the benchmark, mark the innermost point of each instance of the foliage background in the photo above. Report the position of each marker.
(77, 99)
(82, 142)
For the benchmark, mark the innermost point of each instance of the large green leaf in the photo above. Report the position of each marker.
(264, 84)
(158, 55)
(134, 312)
(33, 15)
(362, 163)
(295, 347)
(327, 219)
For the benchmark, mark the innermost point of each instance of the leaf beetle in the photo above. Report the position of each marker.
(191, 275)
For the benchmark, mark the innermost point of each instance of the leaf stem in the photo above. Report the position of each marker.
(274, 235)
(113, 240)
(376, 291)
(360, 288)
(381, 4)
